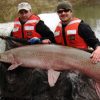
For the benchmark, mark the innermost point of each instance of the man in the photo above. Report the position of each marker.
(29, 26)
(72, 31)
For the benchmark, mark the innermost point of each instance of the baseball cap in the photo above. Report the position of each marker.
(24, 5)
(64, 5)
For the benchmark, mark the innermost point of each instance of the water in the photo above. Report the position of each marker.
(90, 14)
(5, 29)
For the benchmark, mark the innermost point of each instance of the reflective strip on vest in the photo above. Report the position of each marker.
(15, 29)
(57, 33)
(29, 28)
(17, 22)
(75, 21)
(71, 32)
(32, 21)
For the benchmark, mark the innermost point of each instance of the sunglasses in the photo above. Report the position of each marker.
(64, 10)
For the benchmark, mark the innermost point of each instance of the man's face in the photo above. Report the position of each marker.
(65, 15)
(24, 15)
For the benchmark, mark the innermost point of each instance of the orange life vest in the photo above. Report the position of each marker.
(71, 32)
(28, 30)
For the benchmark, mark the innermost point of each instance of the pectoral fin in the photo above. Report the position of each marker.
(15, 63)
(14, 66)
(52, 77)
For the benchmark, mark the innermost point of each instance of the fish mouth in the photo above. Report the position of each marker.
(2, 58)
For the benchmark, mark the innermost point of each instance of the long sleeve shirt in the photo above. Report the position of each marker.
(45, 32)
(88, 35)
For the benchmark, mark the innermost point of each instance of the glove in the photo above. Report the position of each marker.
(34, 40)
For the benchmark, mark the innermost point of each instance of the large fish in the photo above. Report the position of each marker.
(50, 57)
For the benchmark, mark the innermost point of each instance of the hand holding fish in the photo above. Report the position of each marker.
(95, 57)
(46, 41)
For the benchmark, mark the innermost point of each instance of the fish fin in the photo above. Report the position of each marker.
(52, 77)
(14, 61)
(14, 66)
(97, 87)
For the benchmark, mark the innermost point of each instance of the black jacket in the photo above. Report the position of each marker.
(88, 35)
(45, 32)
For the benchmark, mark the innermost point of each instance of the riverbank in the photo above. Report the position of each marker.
(8, 9)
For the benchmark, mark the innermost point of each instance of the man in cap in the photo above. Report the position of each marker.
(29, 26)
(74, 32)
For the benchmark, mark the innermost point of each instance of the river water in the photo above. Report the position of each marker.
(90, 14)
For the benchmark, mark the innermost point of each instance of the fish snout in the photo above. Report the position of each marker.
(3, 57)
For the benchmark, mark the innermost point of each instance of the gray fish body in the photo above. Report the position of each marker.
(52, 57)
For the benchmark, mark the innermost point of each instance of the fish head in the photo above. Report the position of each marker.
(4, 57)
